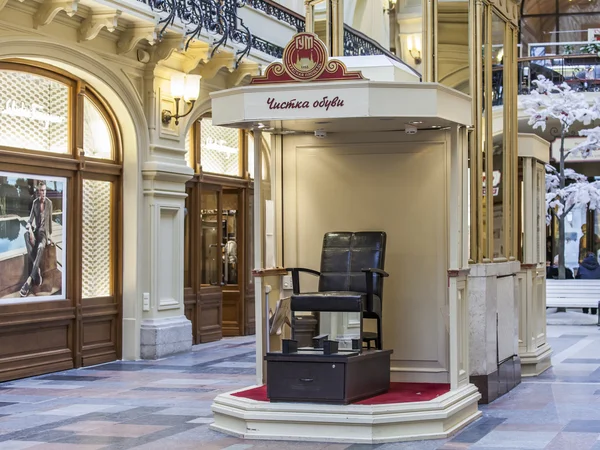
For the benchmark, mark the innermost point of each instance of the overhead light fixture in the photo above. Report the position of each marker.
(184, 87)
(414, 48)
(415, 122)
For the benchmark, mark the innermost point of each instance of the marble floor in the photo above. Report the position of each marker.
(165, 404)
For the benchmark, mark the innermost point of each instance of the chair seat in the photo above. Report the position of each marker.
(333, 301)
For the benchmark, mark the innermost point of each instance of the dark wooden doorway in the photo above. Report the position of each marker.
(216, 277)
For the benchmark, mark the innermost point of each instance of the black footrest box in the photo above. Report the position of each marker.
(337, 378)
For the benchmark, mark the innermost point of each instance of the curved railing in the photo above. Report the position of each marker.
(220, 18)
(356, 43)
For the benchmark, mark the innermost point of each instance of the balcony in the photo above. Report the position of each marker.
(226, 23)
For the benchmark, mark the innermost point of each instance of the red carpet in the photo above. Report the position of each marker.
(398, 393)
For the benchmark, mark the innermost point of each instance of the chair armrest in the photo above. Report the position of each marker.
(369, 275)
(383, 273)
(296, 276)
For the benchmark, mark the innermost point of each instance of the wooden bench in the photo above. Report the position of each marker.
(573, 294)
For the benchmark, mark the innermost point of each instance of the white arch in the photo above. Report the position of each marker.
(200, 109)
(120, 94)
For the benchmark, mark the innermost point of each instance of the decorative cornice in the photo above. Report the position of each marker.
(245, 69)
(48, 10)
(133, 35)
(195, 54)
(93, 24)
(216, 63)
(167, 45)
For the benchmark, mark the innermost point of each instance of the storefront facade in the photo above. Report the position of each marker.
(61, 262)
(83, 133)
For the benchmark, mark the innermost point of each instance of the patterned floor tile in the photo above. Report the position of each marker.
(18, 445)
(579, 441)
(516, 439)
(166, 404)
(68, 446)
(76, 410)
(583, 426)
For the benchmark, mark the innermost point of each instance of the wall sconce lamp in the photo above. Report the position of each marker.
(186, 87)
(391, 6)
(414, 50)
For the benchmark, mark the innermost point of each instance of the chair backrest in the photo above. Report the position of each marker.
(343, 256)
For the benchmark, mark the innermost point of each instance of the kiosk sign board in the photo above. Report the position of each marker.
(305, 59)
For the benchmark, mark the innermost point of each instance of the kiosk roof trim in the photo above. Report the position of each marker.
(341, 106)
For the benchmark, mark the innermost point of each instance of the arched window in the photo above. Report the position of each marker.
(34, 110)
(219, 150)
(60, 190)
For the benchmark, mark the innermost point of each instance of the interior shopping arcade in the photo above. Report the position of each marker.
(170, 180)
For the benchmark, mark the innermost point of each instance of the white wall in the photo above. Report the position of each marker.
(343, 184)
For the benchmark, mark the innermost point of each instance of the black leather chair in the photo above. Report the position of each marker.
(350, 280)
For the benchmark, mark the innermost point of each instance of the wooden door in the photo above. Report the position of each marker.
(233, 224)
(203, 288)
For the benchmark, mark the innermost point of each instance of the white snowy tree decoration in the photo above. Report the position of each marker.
(565, 188)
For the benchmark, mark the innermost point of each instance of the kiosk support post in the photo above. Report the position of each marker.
(259, 298)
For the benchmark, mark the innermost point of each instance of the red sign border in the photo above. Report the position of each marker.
(334, 70)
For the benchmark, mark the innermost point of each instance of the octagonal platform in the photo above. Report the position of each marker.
(257, 418)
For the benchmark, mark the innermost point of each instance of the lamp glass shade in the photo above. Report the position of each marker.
(178, 85)
(409, 43)
(417, 43)
(192, 87)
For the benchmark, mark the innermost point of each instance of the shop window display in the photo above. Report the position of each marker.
(96, 233)
(34, 112)
(32, 237)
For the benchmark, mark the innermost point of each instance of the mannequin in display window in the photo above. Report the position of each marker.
(231, 258)
(38, 238)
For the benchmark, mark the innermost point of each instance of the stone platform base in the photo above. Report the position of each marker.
(164, 337)
(501, 381)
(534, 363)
(366, 424)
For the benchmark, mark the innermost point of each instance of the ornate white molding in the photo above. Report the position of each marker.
(48, 10)
(133, 35)
(166, 47)
(244, 70)
(93, 24)
(194, 55)
(216, 63)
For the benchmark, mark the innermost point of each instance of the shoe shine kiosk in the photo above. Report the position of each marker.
(342, 159)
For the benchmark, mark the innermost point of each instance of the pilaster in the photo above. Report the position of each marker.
(495, 366)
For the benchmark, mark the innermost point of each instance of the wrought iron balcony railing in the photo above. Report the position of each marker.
(355, 42)
(220, 18)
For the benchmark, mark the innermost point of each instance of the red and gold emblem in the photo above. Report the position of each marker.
(305, 58)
